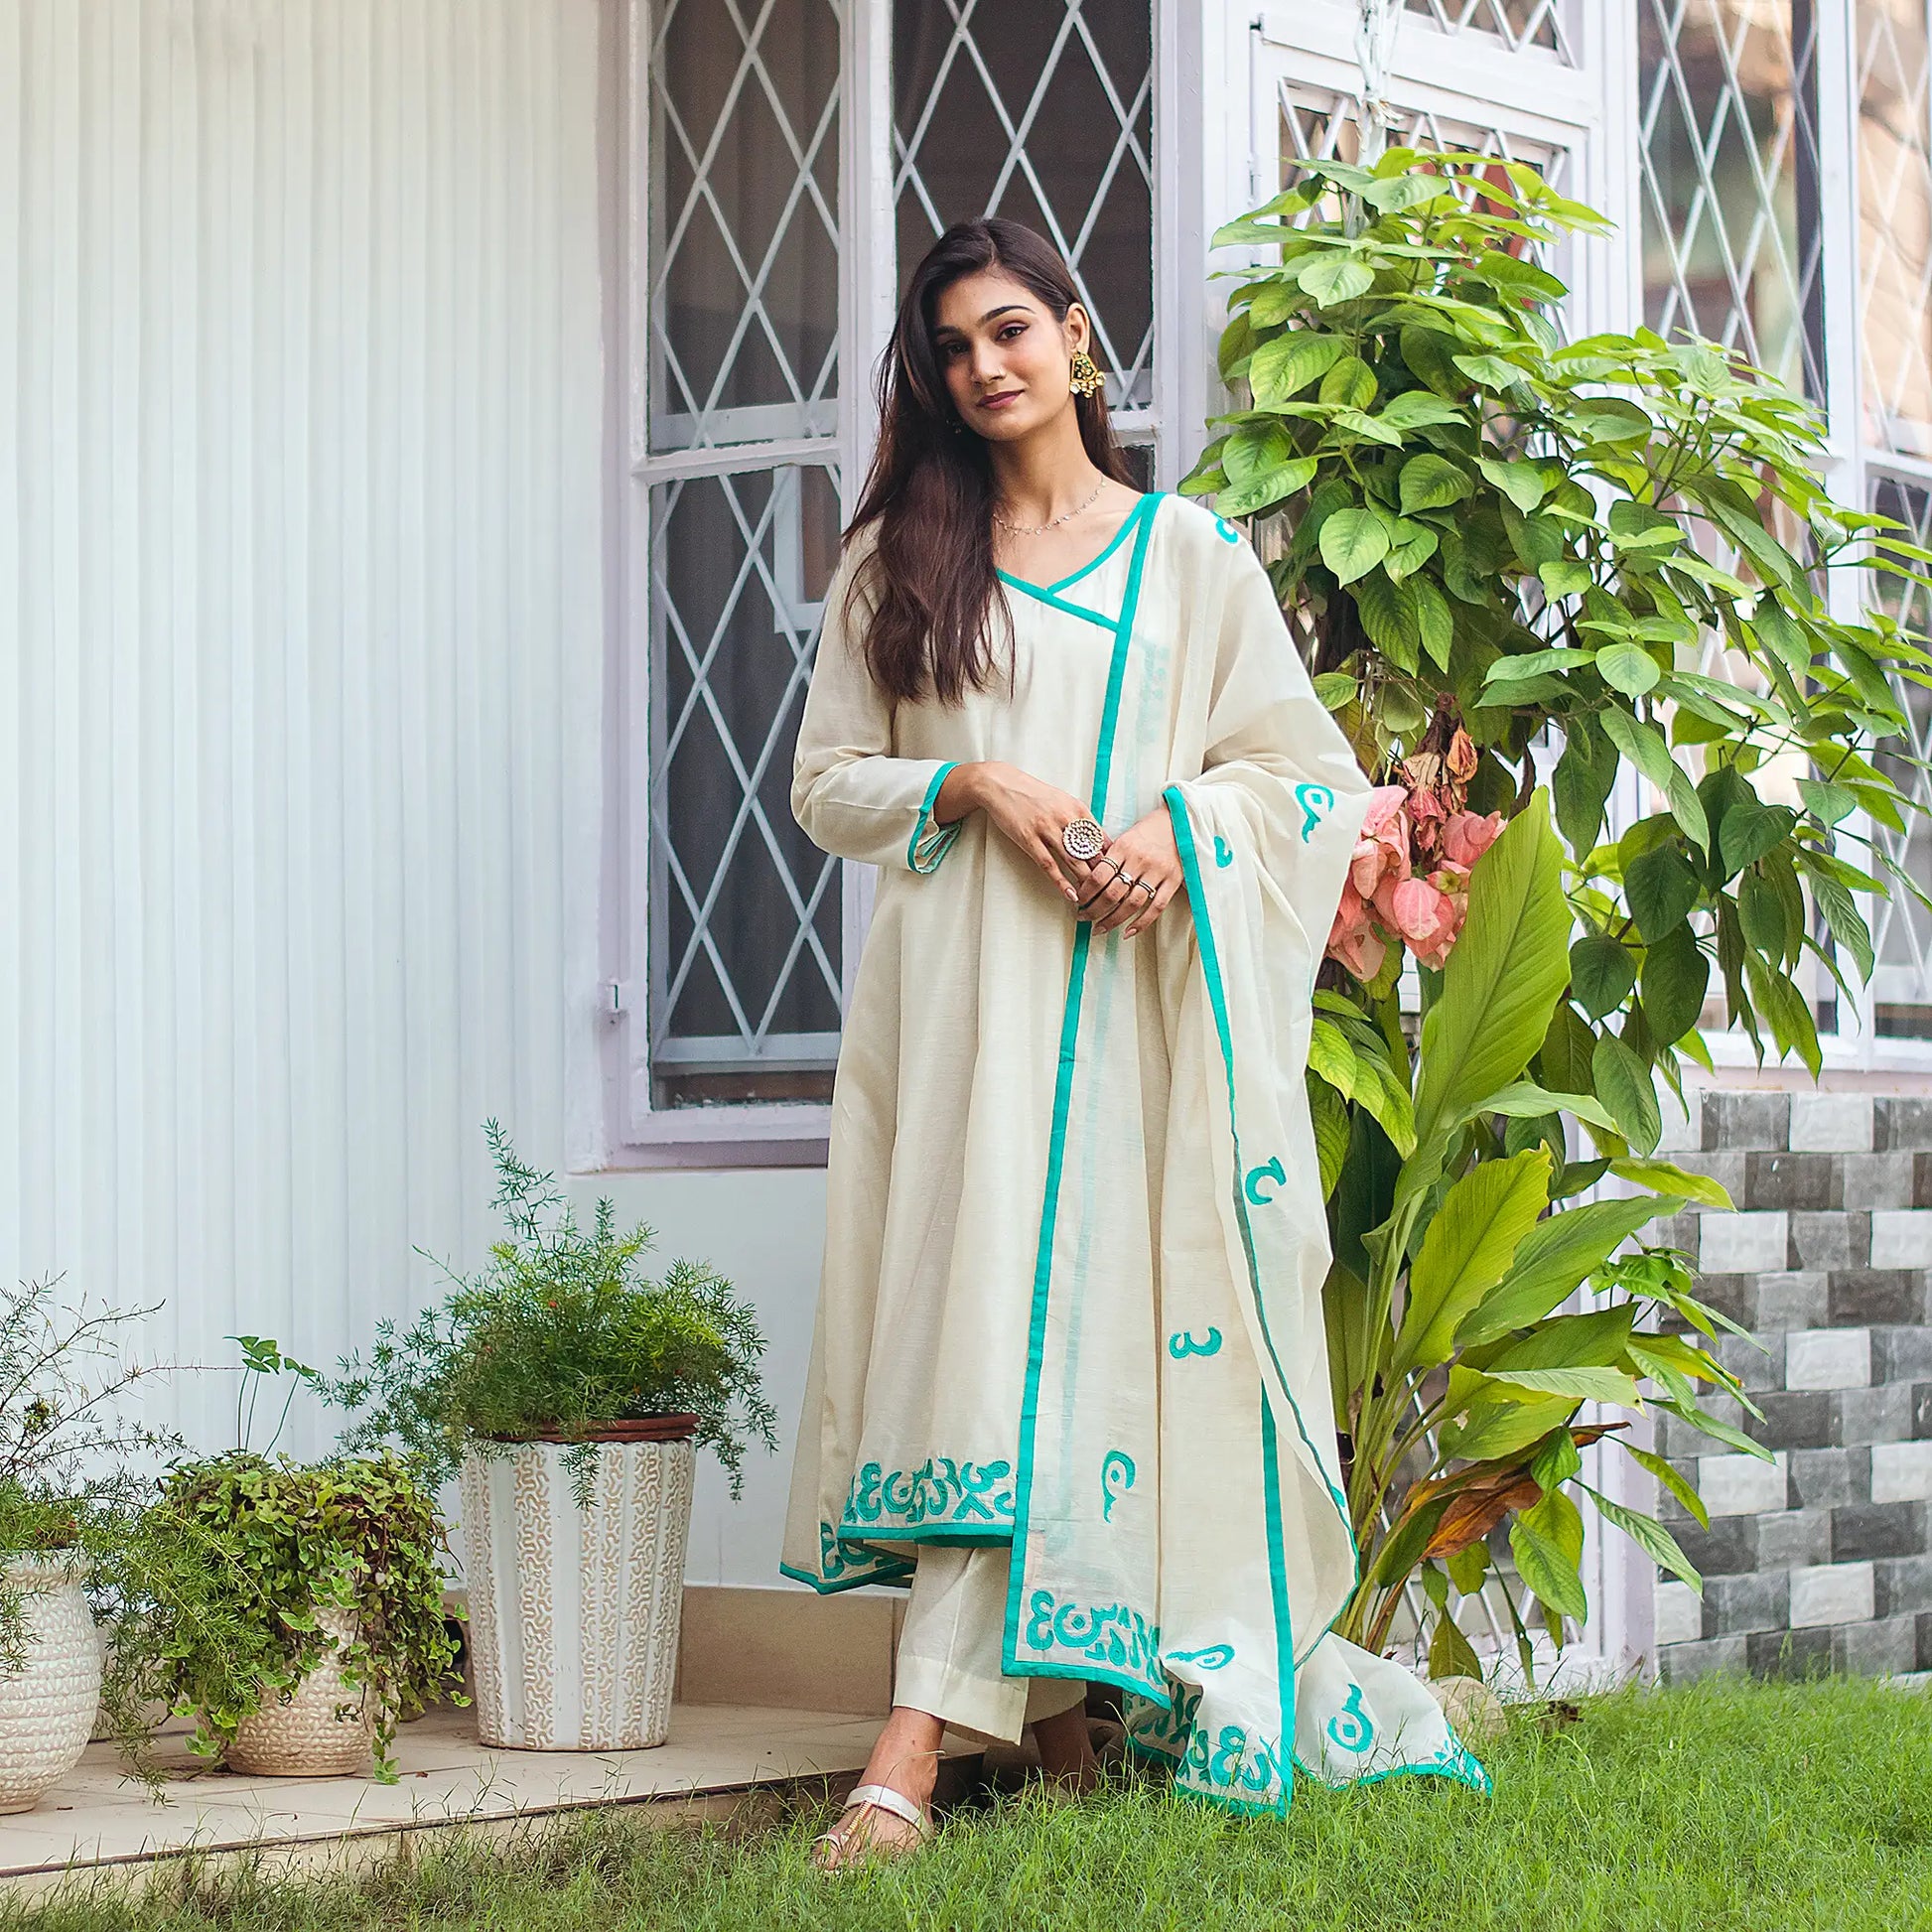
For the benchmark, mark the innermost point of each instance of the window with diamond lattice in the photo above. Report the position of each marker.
(1042, 111)
(1727, 131)
(1516, 23)
(740, 483)
(1894, 226)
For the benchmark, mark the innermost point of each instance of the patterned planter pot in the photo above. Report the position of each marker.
(48, 1706)
(325, 1729)
(574, 1613)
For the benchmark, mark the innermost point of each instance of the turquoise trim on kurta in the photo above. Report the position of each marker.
(930, 843)
(1142, 519)
(1057, 602)
(845, 1566)
(1128, 525)
(1184, 835)
(1271, 1477)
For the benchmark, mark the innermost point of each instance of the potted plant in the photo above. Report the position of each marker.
(329, 1629)
(72, 1538)
(1509, 547)
(569, 1393)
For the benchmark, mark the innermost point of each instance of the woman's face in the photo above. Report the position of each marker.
(1004, 355)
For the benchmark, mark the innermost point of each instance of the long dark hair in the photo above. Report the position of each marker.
(929, 579)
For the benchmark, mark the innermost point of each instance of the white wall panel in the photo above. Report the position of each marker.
(300, 569)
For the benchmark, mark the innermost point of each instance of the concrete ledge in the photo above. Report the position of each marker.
(789, 1649)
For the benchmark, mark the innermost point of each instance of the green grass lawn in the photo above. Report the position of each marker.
(1738, 1808)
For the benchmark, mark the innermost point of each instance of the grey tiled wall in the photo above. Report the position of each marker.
(1819, 1559)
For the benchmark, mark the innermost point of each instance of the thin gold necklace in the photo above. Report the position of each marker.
(1040, 529)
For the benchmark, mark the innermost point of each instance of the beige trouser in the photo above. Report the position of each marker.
(949, 1648)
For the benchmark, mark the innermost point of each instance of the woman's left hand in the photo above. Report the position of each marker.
(1145, 850)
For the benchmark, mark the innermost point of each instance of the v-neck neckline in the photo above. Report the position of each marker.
(1144, 508)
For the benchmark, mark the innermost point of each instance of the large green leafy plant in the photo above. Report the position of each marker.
(1511, 552)
(561, 1332)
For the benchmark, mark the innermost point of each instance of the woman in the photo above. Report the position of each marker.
(1070, 1374)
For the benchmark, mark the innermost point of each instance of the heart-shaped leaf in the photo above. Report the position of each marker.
(1354, 542)
(1431, 482)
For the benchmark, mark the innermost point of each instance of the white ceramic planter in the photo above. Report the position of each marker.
(326, 1729)
(574, 1613)
(48, 1706)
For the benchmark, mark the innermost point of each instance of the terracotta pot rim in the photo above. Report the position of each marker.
(637, 1429)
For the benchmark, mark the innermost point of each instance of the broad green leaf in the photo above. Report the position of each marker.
(1747, 835)
(1334, 689)
(1435, 621)
(1255, 450)
(1637, 526)
(1537, 663)
(1264, 490)
(1556, 1462)
(1832, 803)
(1503, 978)
(1580, 1384)
(1351, 383)
(1520, 481)
(1548, 1545)
(1331, 1057)
(1676, 974)
(1354, 542)
(1665, 1178)
(1498, 1429)
(1525, 1100)
(1643, 745)
(1411, 545)
(1624, 1084)
(1566, 576)
(1431, 482)
(1467, 1248)
(1601, 973)
(1650, 1536)
(1419, 409)
(1844, 921)
(1336, 279)
(1492, 371)
(1595, 1340)
(1467, 1568)
(1628, 668)
(1451, 1653)
(1388, 616)
(1285, 366)
(1328, 1116)
(1672, 1479)
(1660, 889)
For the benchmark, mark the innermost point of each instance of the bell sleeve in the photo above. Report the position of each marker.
(850, 793)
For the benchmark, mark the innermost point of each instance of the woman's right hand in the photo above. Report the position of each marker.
(1028, 813)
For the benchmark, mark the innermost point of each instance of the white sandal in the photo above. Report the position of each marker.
(865, 1798)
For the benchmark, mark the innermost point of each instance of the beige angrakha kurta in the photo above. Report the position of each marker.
(1075, 1240)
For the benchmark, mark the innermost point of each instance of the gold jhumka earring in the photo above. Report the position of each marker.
(1083, 378)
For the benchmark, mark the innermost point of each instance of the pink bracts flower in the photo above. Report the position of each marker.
(1427, 919)
(1354, 939)
(1381, 855)
(1467, 836)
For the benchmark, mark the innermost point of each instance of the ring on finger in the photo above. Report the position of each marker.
(1146, 887)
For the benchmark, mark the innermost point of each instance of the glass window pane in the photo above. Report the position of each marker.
(1042, 111)
(1901, 929)
(744, 220)
(747, 914)
(1731, 242)
(1517, 23)
(1894, 225)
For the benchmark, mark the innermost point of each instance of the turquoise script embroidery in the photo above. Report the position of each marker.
(837, 1560)
(1217, 1656)
(1185, 1344)
(1353, 1728)
(1271, 1169)
(1229, 534)
(1224, 852)
(1317, 801)
(1116, 1479)
(1111, 1635)
(940, 1490)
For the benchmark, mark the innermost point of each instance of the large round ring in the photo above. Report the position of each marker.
(1082, 839)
